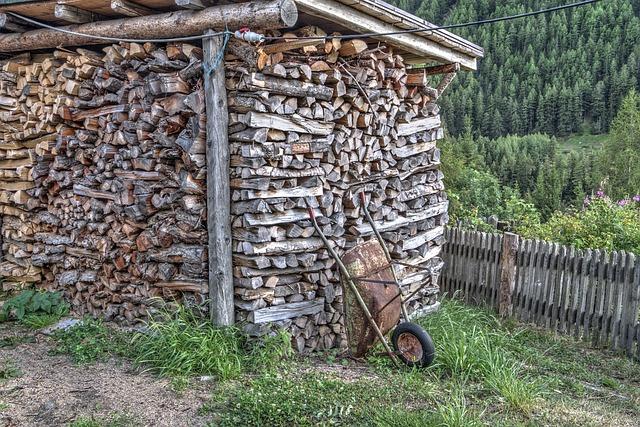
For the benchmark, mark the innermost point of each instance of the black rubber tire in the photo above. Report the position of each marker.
(422, 337)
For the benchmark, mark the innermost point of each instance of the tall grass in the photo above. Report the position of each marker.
(182, 343)
(473, 346)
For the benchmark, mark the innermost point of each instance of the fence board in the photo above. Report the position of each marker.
(573, 318)
(591, 290)
(607, 303)
(531, 276)
(617, 293)
(584, 293)
(596, 321)
(589, 294)
(554, 302)
(565, 292)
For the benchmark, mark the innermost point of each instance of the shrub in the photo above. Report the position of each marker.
(602, 224)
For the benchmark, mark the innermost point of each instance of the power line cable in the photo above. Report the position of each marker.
(328, 37)
(443, 27)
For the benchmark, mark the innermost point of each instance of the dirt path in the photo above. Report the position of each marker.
(52, 391)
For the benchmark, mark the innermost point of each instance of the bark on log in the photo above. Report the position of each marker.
(261, 14)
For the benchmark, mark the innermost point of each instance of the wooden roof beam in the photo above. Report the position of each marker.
(10, 24)
(75, 15)
(436, 69)
(129, 8)
(199, 4)
(361, 22)
(263, 14)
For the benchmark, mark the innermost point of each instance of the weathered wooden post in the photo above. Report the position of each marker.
(218, 192)
(508, 261)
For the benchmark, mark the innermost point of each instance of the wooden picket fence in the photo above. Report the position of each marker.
(590, 294)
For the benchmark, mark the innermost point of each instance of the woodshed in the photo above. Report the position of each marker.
(133, 172)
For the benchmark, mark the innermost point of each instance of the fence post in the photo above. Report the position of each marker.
(508, 262)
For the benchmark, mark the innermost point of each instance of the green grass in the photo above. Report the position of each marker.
(115, 420)
(183, 344)
(8, 370)
(40, 320)
(15, 340)
(89, 341)
(585, 142)
(487, 372)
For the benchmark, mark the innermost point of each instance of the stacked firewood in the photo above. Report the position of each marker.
(27, 121)
(104, 180)
(121, 179)
(314, 124)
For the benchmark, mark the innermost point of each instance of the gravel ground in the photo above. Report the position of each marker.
(52, 391)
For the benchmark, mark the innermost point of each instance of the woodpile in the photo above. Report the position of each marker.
(119, 180)
(315, 123)
(104, 176)
(26, 121)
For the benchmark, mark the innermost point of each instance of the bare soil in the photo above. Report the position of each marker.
(52, 391)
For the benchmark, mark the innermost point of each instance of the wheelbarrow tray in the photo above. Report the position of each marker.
(367, 261)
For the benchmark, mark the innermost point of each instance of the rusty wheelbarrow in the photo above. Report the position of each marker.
(374, 302)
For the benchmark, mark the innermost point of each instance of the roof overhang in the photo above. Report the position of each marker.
(375, 16)
(345, 16)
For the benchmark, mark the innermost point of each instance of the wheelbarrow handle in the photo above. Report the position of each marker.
(312, 214)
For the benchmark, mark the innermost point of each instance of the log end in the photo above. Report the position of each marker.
(288, 13)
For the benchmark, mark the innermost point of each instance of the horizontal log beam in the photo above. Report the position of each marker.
(272, 14)
(11, 24)
(74, 14)
(128, 8)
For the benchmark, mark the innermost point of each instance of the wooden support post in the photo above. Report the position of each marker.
(128, 8)
(508, 263)
(445, 82)
(218, 190)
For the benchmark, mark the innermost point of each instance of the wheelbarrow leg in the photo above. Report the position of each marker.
(349, 280)
(403, 306)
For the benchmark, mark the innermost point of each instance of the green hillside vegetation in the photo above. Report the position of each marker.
(546, 134)
(557, 73)
(585, 143)
(589, 198)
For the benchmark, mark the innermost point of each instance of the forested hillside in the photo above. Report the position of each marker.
(556, 73)
(543, 78)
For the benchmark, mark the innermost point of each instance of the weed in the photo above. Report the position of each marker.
(8, 370)
(34, 302)
(270, 352)
(180, 384)
(452, 412)
(610, 383)
(455, 413)
(306, 400)
(115, 420)
(3, 406)
(15, 340)
(40, 320)
(89, 341)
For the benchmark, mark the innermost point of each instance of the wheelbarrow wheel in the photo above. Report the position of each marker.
(413, 345)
